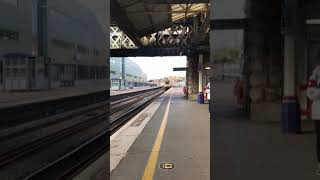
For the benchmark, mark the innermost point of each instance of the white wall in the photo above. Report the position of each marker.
(76, 23)
(19, 19)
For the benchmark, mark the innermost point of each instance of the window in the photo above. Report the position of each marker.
(8, 35)
(113, 72)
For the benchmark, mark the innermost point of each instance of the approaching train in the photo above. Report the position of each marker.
(167, 85)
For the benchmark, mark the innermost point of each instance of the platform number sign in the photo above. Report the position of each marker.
(167, 166)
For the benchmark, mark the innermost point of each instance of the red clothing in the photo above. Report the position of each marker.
(184, 90)
(238, 91)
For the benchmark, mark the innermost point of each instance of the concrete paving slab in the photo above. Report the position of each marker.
(185, 143)
(245, 150)
(122, 140)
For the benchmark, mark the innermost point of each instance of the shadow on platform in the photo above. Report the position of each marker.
(246, 150)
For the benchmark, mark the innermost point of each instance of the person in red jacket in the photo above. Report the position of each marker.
(238, 91)
(313, 93)
(184, 90)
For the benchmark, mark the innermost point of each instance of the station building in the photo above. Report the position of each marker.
(126, 73)
(45, 42)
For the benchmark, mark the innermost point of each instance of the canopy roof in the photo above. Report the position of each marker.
(138, 18)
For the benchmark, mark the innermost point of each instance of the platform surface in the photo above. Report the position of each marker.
(8, 99)
(185, 143)
(245, 150)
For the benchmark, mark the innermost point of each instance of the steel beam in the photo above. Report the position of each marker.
(123, 22)
(177, 1)
(152, 52)
(228, 24)
(165, 11)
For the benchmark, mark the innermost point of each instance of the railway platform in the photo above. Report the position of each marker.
(244, 149)
(11, 99)
(169, 140)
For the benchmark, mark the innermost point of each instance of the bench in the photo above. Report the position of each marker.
(67, 81)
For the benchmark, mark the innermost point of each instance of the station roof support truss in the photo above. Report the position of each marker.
(228, 24)
(142, 18)
(152, 51)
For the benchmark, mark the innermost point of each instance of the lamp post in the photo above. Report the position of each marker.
(123, 70)
(200, 72)
(43, 28)
(43, 38)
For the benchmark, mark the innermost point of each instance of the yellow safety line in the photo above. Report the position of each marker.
(153, 158)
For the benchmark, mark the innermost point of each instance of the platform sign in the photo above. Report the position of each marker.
(180, 69)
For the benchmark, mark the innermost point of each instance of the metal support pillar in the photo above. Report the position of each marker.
(43, 28)
(43, 38)
(193, 78)
(123, 72)
(200, 71)
(290, 121)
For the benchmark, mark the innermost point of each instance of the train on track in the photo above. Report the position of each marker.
(167, 85)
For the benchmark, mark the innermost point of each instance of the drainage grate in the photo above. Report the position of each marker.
(167, 165)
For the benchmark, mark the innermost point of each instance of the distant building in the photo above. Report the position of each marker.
(133, 75)
(71, 40)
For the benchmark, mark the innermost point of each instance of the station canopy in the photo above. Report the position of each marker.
(138, 18)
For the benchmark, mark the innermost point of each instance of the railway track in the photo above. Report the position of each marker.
(28, 147)
(120, 117)
(71, 163)
(25, 113)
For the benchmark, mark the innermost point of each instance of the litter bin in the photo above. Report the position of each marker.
(200, 98)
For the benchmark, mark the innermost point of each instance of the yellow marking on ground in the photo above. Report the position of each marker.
(153, 158)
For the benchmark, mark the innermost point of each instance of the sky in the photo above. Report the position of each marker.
(160, 67)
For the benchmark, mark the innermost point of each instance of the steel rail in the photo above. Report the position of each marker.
(86, 153)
